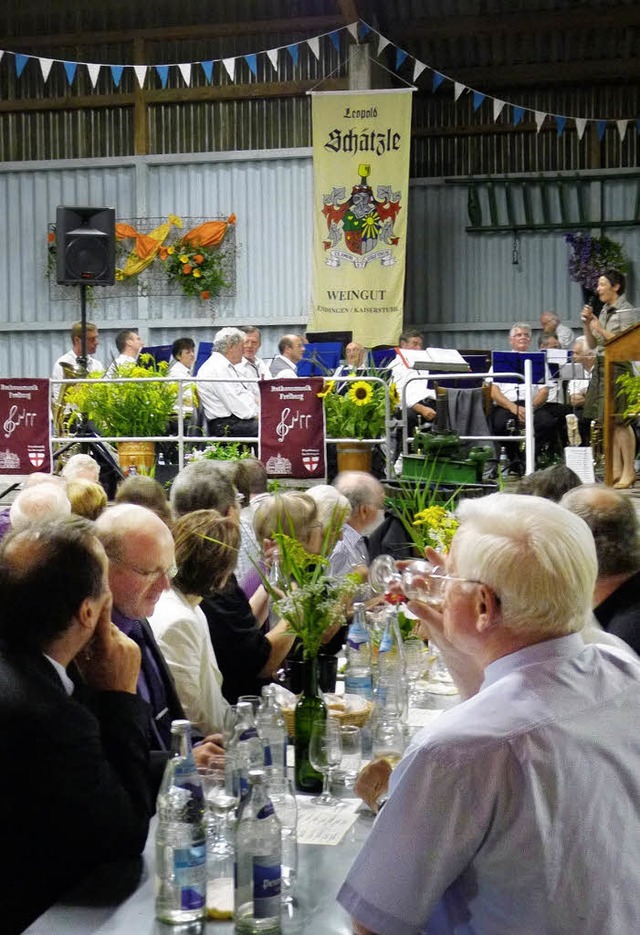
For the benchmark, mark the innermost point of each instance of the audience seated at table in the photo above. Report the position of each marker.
(366, 500)
(75, 785)
(206, 544)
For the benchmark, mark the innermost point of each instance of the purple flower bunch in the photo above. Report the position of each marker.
(593, 256)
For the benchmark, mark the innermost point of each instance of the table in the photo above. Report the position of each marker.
(118, 898)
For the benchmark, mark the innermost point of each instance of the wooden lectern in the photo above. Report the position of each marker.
(625, 346)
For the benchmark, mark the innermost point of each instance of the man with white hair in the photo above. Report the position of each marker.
(488, 826)
(229, 404)
(366, 499)
(551, 324)
(81, 466)
(39, 503)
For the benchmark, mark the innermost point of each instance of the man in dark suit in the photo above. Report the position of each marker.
(141, 566)
(74, 783)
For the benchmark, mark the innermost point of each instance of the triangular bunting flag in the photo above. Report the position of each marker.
(116, 74)
(273, 58)
(353, 29)
(518, 114)
(478, 98)
(1, 54)
(497, 108)
(185, 71)
(207, 68)
(94, 71)
(21, 61)
(364, 29)
(540, 119)
(457, 90)
(230, 66)
(400, 57)
(293, 52)
(437, 80)
(622, 129)
(252, 62)
(418, 68)
(70, 68)
(382, 44)
(314, 45)
(561, 123)
(163, 74)
(581, 124)
(141, 74)
(335, 39)
(601, 126)
(638, 125)
(45, 67)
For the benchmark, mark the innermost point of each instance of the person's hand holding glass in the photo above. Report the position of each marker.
(325, 755)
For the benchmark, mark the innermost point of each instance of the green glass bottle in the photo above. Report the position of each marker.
(309, 707)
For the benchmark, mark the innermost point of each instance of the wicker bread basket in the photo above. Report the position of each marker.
(357, 718)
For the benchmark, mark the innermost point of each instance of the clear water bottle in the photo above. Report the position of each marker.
(272, 731)
(181, 871)
(357, 679)
(258, 861)
(503, 463)
(247, 747)
(391, 658)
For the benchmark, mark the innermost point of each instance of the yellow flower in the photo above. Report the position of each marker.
(329, 387)
(432, 516)
(197, 273)
(360, 393)
(394, 396)
(171, 250)
(184, 258)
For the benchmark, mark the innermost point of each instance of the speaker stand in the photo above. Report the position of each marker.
(82, 362)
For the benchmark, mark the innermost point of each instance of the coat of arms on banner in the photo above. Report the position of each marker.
(364, 220)
(311, 459)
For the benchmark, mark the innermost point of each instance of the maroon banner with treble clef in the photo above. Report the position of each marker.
(25, 444)
(292, 428)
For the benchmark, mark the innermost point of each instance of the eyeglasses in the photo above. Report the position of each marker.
(155, 573)
(239, 497)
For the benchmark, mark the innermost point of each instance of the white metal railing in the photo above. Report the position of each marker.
(182, 439)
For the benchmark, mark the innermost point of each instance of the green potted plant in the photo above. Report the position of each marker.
(139, 406)
(591, 257)
(356, 409)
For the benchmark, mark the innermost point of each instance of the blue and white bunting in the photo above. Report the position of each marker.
(293, 52)
(70, 68)
(540, 119)
(518, 114)
(437, 80)
(581, 125)
(601, 126)
(185, 71)
(622, 129)
(478, 98)
(45, 67)
(458, 89)
(252, 63)
(561, 123)
(418, 68)
(498, 107)
(163, 74)
(21, 61)
(314, 45)
(116, 74)
(207, 68)
(94, 73)
(230, 67)
(272, 55)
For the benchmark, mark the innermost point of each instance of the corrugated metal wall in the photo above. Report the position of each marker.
(463, 287)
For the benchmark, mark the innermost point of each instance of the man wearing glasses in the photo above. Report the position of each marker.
(141, 566)
(516, 811)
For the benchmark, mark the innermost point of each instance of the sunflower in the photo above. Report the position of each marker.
(360, 393)
(329, 387)
(394, 396)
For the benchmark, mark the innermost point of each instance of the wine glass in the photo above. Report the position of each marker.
(419, 580)
(325, 754)
(383, 573)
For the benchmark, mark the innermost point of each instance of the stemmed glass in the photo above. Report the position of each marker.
(325, 755)
(419, 580)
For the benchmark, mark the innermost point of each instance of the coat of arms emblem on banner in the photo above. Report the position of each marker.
(364, 220)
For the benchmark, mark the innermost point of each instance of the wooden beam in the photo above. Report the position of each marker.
(304, 24)
(141, 111)
(571, 73)
(173, 96)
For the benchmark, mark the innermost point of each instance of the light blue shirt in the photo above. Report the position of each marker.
(518, 812)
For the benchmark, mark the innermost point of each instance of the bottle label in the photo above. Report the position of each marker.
(354, 641)
(267, 878)
(359, 685)
(266, 811)
(189, 865)
(268, 761)
(248, 734)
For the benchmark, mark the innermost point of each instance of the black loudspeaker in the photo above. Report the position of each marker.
(86, 246)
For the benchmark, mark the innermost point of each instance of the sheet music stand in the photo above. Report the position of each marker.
(513, 362)
(320, 360)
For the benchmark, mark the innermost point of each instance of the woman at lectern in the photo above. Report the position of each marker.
(616, 316)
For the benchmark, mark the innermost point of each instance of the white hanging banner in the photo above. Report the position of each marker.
(581, 124)
(45, 67)
(185, 71)
(94, 71)
(540, 119)
(230, 66)
(622, 128)
(353, 29)
(457, 89)
(141, 73)
(497, 108)
(273, 58)
(418, 68)
(314, 45)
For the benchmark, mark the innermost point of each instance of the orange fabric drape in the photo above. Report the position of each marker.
(209, 234)
(146, 245)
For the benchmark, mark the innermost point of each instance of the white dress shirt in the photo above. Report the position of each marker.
(120, 360)
(182, 633)
(220, 399)
(71, 358)
(516, 811)
(253, 370)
